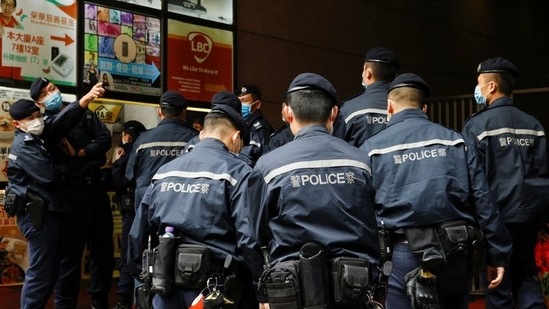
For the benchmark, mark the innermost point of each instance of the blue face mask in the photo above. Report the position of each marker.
(481, 100)
(54, 101)
(246, 110)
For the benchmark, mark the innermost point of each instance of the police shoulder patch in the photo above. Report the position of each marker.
(28, 137)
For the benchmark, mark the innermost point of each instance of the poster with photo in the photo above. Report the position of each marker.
(122, 50)
(201, 60)
(214, 10)
(14, 259)
(38, 38)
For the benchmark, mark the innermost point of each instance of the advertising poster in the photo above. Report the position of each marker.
(201, 60)
(122, 50)
(214, 10)
(38, 39)
(155, 4)
(14, 260)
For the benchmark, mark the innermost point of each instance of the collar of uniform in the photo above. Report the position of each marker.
(407, 114)
(170, 120)
(311, 130)
(503, 101)
(254, 117)
(210, 142)
(379, 86)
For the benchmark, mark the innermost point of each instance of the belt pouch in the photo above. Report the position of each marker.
(163, 270)
(425, 243)
(193, 266)
(312, 272)
(454, 238)
(283, 288)
(350, 280)
(143, 296)
(12, 203)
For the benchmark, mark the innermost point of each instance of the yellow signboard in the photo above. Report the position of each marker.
(107, 113)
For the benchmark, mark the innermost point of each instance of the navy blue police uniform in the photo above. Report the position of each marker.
(125, 200)
(512, 149)
(31, 169)
(219, 98)
(260, 129)
(89, 202)
(281, 136)
(158, 146)
(424, 176)
(315, 188)
(334, 182)
(90, 209)
(365, 114)
(202, 196)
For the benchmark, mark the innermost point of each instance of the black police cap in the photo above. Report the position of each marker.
(173, 99)
(410, 80)
(235, 118)
(497, 65)
(381, 55)
(133, 125)
(306, 81)
(227, 98)
(22, 109)
(249, 89)
(37, 85)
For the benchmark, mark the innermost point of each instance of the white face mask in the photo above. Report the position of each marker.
(35, 126)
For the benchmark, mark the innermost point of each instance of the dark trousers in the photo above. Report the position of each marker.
(44, 257)
(91, 223)
(126, 281)
(519, 289)
(180, 299)
(452, 284)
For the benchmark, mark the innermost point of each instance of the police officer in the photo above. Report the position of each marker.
(259, 127)
(161, 144)
(125, 199)
(315, 188)
(365, 114)
(427, 181)
(512, 149)
(82, 150)
(35, 178)
(202, 195)
(219, 98)
(283, 134)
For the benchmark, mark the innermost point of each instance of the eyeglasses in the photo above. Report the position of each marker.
(8, 5)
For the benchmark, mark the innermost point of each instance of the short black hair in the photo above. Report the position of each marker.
(382, 71)
(171, 112)
(310, 105)
(505, 81)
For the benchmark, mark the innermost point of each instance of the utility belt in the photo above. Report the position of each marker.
(314, 281)
(32, 204)
(436, 245)
(173, 265)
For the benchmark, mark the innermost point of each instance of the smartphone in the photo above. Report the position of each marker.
(54, 52)
(125, 51)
